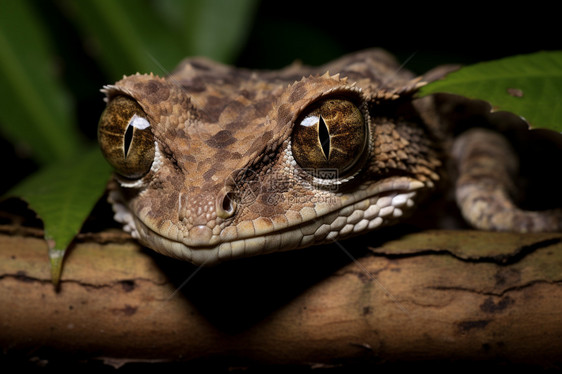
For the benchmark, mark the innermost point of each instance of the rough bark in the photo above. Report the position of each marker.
(434, 295)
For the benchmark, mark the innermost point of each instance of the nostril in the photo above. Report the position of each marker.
(226, 206)
(228, 203)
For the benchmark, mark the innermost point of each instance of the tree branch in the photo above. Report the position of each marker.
(434, 295)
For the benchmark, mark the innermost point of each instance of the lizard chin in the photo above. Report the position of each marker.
(377, 206)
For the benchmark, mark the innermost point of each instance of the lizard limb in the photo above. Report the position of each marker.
(487, 165)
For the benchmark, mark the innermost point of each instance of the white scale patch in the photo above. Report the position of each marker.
(310, 121)
(122, 214)
(361, 218)
(139, 122)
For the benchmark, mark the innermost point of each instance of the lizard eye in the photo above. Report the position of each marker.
(125, 138)
(330, 136)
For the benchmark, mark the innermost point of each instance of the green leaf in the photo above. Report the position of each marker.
(216, 28)
(130, 36)
(36, 110)
(528, 85)
(127, 36)
(63, 194)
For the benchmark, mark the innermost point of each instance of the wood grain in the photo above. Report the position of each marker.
(434, 295)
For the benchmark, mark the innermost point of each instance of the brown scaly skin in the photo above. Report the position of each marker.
(487, 167)
(217, 167)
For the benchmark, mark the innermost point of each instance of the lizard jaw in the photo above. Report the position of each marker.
(375, 208)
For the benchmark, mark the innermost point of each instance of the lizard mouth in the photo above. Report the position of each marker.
(366, 210)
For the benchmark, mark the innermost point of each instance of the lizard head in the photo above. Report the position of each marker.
(215, 162)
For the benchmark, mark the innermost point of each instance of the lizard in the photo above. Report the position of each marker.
(214, 162)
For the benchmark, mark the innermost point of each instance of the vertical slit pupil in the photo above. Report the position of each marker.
(128, 139)
(324, 137)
